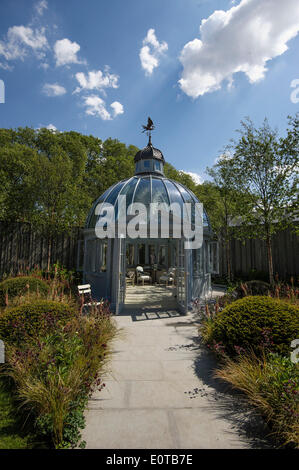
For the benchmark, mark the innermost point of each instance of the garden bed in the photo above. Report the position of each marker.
(55, 356)
(251, 337)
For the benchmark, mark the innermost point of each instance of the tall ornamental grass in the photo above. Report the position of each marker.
(272, 385)
(55, 372)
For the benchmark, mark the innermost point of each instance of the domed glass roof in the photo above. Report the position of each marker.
(146, 189)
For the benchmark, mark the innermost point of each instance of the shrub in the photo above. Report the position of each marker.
(256, 322)
(17, 286)
(29, 319)
(272, 385)
(55, 373)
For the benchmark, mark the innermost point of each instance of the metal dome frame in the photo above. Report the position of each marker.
(107, 260)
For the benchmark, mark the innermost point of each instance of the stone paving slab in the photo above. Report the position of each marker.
(160, 393)
(128, 429)
(200, 429)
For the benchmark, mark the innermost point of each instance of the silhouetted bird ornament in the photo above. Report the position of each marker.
(149, 127)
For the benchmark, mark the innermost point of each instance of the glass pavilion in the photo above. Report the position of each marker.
(106, 261)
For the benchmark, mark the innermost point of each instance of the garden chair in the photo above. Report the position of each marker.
(130, 278)
(142, 276)
(168, 276)
(85, 290)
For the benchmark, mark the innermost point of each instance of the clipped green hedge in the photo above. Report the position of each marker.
(18, 286)
(33, 318)
(255, 321)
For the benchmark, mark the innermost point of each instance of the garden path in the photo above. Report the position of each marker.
(160, 392)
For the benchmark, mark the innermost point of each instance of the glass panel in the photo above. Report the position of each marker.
(214, 257)
(104, 249)
(159, 193)
(205, 219)
(128, 191)
(152, 255)
(130, 254)
(207, 257)
(158, 166)
(162, 256)
(141, 254)
(146, 163)
(197, 261)
(110, 199)
(186, 195)
(174, 193)
(143, 191)
(114, 193)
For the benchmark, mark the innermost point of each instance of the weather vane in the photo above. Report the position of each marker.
(148, 129)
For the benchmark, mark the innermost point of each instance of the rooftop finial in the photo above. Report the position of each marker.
(148, 129)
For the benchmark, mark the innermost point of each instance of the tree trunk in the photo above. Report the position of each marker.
(228, 261)
(270, 259)
(49, 253)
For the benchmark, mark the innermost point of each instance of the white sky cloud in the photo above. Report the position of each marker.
(51, 127)
(65, 52)
(96, 106)
(151, 51)
(195, 176)
(41, 6)
(20, 40)
(53, 89)
(96, 80)
(241, 39)
(117, 108)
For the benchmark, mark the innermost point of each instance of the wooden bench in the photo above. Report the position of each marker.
(85, 289)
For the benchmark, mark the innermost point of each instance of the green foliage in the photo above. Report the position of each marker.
(31, 319)
(13, 434)
(51, 178)
(17, 181)
(256, 322)
(54, 357)
(20, 285)
(272, 385)
(254, 188)
(266, 168)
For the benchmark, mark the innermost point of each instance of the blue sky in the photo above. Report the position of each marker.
(64, 63)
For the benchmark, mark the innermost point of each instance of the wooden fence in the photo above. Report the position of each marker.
(21, 247)
(252, 256)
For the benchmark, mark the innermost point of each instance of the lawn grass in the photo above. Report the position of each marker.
(14, 435)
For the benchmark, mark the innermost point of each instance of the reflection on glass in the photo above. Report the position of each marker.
(130, 254)
(197, 261)
(141, 254)
(152, 254)
(162, 255)
(143, 191)
(159, 192)
(104, 255)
